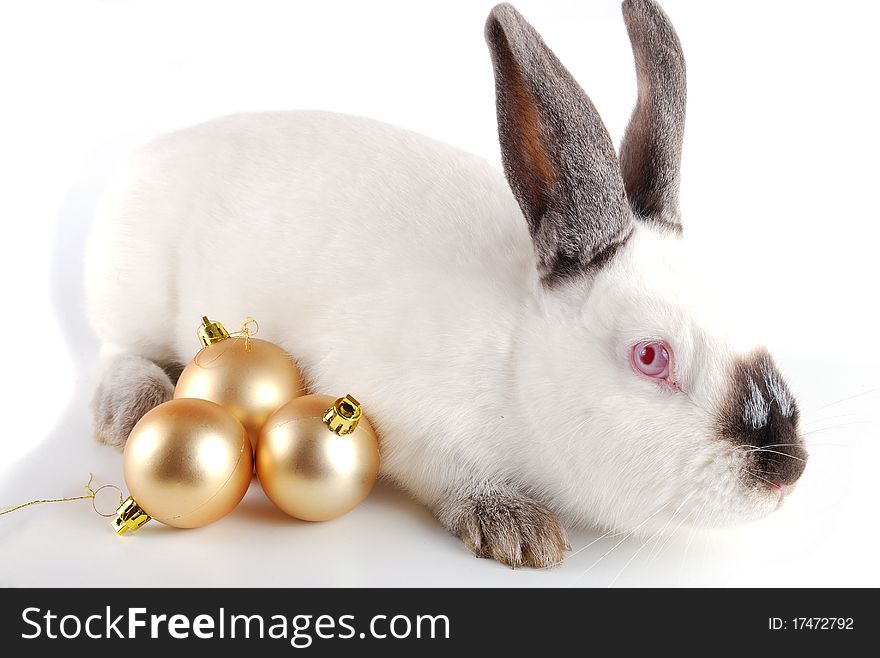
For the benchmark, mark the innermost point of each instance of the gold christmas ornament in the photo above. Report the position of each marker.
(187, 463)
(317, 457)
(249, 377)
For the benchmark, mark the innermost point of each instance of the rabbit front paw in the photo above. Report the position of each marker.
(510, 527)
(130, 386)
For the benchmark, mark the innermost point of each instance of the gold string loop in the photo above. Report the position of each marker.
(95, 500)
(89, 495)
(250, 328)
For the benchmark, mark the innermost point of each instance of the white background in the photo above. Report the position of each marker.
(779, 192)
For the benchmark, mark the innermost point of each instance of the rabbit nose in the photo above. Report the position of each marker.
(761, 415)
(783, 464)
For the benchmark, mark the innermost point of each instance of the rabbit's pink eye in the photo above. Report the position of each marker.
(652, 358)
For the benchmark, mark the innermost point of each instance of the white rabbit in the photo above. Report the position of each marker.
(529, 359)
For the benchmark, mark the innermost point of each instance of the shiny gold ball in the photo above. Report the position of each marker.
(249, 377)
(188, 462)
(307, 469)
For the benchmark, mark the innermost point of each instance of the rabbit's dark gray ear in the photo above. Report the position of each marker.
(650, 155)
(558, 157)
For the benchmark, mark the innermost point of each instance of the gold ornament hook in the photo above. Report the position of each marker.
(129, 517)
(211, 332)
(343, 417)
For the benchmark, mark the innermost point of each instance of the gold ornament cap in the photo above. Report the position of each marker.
(129, 517)
(343, 417)
(211, 332)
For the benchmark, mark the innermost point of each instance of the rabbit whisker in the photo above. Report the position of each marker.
(672, 518)
(810, 421)
(625, 537)
(675, 531)
(653, 538)
(614, 532)
(657, 551)
(846, 399)
(775, 452)
(687, 547)
(752, 473)
(635, 554)
(835, 427)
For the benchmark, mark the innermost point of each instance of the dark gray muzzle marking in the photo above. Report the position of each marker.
(761, 413)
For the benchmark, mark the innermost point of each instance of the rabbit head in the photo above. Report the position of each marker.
(657, 412)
